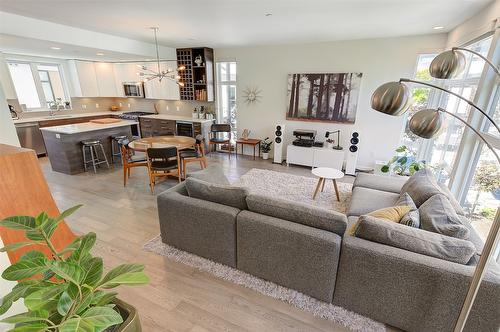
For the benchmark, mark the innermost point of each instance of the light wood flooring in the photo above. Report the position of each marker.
(179, 298)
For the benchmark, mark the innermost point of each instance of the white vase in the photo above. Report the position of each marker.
(265, 155)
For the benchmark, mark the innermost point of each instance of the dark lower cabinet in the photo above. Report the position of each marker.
(156, 127)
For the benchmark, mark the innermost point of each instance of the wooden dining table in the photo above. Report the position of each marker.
(180, 142)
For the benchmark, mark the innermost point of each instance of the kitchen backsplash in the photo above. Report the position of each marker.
(102, 104)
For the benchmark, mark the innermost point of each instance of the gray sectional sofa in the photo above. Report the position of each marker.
(293, 245)
(308, 249)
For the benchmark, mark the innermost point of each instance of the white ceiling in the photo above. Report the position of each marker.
(230, 23)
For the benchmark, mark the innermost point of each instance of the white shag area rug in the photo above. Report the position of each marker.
(294, 188)
(339, 315)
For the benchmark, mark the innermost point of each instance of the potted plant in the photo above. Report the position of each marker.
(404, 163)
(68, 291)
(329, 143)
(265, 147)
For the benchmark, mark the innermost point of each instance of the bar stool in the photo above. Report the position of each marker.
(116, 147)
(92, 145)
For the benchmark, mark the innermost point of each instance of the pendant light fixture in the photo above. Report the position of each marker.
(148, 74)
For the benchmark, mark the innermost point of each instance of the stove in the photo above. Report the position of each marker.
(133, 115)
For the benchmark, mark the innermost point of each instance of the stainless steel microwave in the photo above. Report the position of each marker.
(133, 89)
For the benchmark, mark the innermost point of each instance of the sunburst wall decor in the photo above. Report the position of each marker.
(251, 95)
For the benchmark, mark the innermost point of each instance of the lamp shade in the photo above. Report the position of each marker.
(426, 123)
(447, 65)
(391, 98)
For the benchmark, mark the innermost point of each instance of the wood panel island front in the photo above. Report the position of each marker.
(64, 147)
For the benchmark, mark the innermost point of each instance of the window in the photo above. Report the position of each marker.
(38, 86)
(440, 152)
(226, 94)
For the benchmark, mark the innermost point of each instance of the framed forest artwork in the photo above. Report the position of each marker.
(323, 97)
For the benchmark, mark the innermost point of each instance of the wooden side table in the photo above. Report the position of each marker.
(251, 141)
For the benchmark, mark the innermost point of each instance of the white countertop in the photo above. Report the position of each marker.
(78, 128)
(176, 118)
(64, 116)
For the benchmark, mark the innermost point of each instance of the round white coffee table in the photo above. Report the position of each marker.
(329, 174)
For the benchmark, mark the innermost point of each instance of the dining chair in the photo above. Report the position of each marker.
(215, 137)
(193, 155)
(130, 159)
(162, 162)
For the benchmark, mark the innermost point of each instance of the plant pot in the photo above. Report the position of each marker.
(130, 315)
(329, 145)
(265, 155)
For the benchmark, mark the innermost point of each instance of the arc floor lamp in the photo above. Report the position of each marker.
(393, 98)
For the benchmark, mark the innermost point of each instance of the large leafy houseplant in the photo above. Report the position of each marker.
(69, 291)
(403, 162)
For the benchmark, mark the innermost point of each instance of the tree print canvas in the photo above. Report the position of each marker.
(323, 97)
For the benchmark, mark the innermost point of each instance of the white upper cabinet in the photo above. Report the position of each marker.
(105, 76)
(167, 88)
(93, 79)
(84, 79)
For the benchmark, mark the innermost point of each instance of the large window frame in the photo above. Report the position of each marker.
(39, 83)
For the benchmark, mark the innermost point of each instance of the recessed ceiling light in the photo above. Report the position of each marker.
(99, 53)
(55, 48)
(438, 27)
(269, 14)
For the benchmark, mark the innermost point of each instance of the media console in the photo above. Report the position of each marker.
(314, 157)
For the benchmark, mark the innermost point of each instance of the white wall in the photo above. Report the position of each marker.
(476, 26)
(8, 133)
(380, 60)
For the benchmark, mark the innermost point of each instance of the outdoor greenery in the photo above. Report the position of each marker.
(486, 179)
(265, 145)
(403, 163)
(68, 292)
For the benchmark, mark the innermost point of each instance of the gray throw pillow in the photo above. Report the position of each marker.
(217, 193)
(298, 212)
(456, 205)
(421, 186)
(438, 215)
(412, 218)
(415, 240)
(212, 174)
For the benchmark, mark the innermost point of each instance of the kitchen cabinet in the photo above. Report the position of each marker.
(198, 75)
(93, 79)
(167, 88)
(105, 76)
(156, 127)
(84, 79)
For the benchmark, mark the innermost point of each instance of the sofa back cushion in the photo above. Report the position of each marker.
(304, 214)
(421, 186)
(415, 240)
(217, 193)
(456, 205)
(212, 174)
(438, 215)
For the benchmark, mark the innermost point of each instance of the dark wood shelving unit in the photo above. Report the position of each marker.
(199, 83)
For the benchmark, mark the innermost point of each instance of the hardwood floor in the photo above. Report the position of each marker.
(179, 298)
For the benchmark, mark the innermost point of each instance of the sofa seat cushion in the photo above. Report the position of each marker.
(438, 215)
(365, 200)
(304, 214)
(391, 184)
(217, 193)
(212, 174)
(415, 240)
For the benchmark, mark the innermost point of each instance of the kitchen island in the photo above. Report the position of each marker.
(63, 143)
